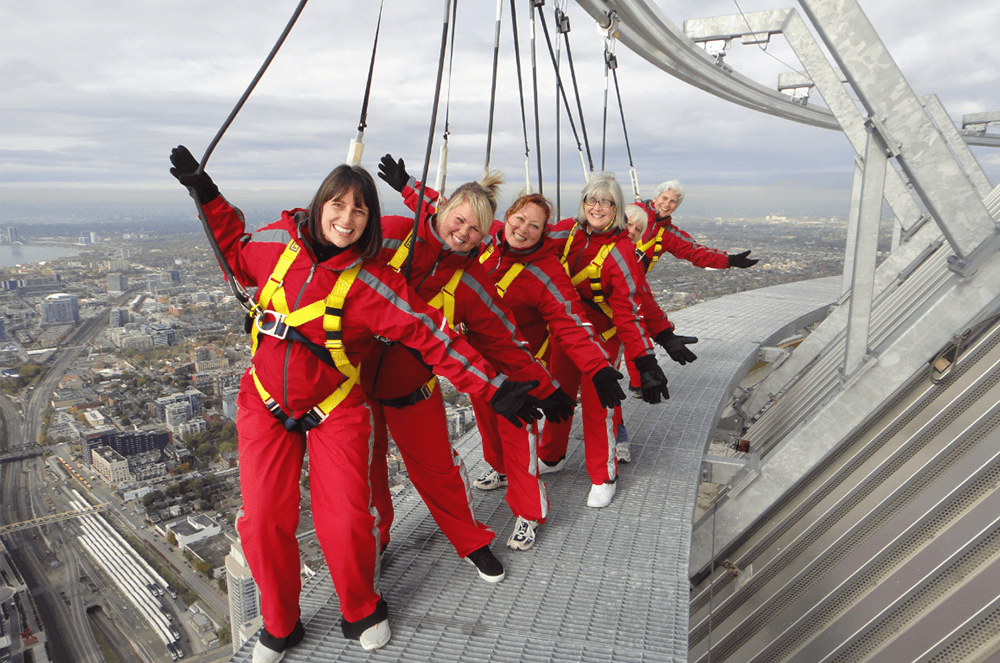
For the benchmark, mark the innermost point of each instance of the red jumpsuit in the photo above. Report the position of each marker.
(544, 305)
(393, 376)
(340, 454)
(622, 280)
(662, 235)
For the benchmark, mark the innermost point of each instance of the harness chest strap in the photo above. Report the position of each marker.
(444, 301)
(331, 310)
(502, 286)
(592, 272)
(657, 250)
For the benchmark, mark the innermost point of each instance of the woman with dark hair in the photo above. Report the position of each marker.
(319, 306)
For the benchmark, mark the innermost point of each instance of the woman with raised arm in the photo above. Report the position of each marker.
(444, 269)
(320, 303)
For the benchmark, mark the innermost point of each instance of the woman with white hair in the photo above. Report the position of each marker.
(600, 260)
(662, 235)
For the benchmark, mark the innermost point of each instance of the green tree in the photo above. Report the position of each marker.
(171, 538)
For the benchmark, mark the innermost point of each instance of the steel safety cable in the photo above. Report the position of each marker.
(604, 123)
(520, 90)
(442, 172)
(430, 137)
(357, 147)
(493, 88)
(536, 4)
(562, 24)
(576, 90)
(242, 296)
(628, 148)
(569, 113)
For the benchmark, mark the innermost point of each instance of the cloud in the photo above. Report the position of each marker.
(96, 95)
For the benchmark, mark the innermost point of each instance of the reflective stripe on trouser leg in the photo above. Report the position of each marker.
(486, 421)
(437, 471)
(526, 493)
(340, 457)
(270, 468)
(555, 435)
(598, 427)
(381, 497)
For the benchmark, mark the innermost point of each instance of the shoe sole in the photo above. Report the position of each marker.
(544, 468)
(520, 545)
(489, 579)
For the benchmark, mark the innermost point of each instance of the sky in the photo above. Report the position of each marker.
(93, 96)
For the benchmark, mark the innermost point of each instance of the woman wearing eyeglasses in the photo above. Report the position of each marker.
(320, 303)
(600, 259)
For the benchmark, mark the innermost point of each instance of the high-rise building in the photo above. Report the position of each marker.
(119, 317)
(59, 308)
(12, 234)
(117, 282)
(244, 597)
(94, 238)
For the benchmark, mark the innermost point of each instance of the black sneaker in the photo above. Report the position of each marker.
(489, 567)
(270, 649)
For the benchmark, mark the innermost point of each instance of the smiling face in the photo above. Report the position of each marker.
(523, 228)
(665, 203)
(459, 229)
(343, 220)
(634, 232)
(599, 211)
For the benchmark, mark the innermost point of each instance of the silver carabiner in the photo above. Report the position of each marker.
(271, 323)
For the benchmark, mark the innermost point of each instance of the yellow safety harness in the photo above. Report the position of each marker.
(444, 301)
(281, 323)
(593, 272)
(658, 241)
(502, 286)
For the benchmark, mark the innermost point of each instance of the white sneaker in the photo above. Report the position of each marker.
(545, 468)
(524, 534)
(601, 494)
(263, 654)
(375, 636)
(622, 452)
(490, 480)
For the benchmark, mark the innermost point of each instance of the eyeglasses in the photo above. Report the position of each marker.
(603, 202)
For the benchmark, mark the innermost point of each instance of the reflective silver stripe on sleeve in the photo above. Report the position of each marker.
(404, 307)
(688, 240)
(557, 294)
(487, 299)
(389, 243)
(277, 235)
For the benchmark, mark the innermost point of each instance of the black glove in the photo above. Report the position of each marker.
(513, 402)
(654, 382)
(676, 346)
(740, 260)
(558, 406)
(608, 389)
(185, 169)
(393, 172)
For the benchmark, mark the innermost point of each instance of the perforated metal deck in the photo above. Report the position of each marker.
(600, 584)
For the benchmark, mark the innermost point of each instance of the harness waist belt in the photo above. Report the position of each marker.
(421, 394)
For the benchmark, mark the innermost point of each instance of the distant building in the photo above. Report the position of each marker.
(119, 317)
(12, 234)
(110, 465)
(83, 239)
(60, 308)
(117, 282)
(193, 397)
(193, 528)
(244, 597)
(3, 332)
(94, 238)
(229, 402)
(176, 414)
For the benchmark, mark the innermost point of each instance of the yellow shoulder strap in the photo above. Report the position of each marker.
(508, 278)
(399, 258)
(445, 300)
(485, 254)
(333, 322)
(273, 288)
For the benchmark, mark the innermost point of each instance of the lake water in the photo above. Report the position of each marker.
(24, 254)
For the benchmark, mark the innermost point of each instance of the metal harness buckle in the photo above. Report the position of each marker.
(271, 323)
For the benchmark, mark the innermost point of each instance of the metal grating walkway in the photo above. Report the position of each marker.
(600, 584)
